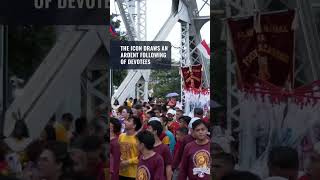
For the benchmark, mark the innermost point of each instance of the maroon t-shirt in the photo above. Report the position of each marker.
(164, 152)
(195, 162)
(151, 168)
(114, 158)
(177, 159)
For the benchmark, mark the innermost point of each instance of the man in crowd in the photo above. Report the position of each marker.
(155, 127)
(313, 172)
(184, 121)
(283, 162)
(195, 164)
(173, 125)
(187, 139)
(115, 129)
(151, 165)
(222, 164)
(128, 149)
(63, 128)
(181, 133)
(179, 113)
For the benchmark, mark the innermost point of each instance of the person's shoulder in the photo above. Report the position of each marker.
(114, 140)
(166, 140)
(190, 144)
(187, 139)
(157, 157)
(164, 147)
(121, 135)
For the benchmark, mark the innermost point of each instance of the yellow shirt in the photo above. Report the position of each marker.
(61, 133)
(166, 140)
(129, 151)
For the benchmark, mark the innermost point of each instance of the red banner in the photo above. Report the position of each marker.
(267, 54)
(192, 76)
(244, 42)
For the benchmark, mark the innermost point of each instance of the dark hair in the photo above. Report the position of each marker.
(34, 150)
(198, 122)
(179, 110)
(240, 175)
(137, 122)
(151, 113)
(144, 104)
(4, 149)
(128, 109)
(135, 101)
(198, 111)
(50, 132)
(165, 120)
(183, 130)
(284, 158)
(116, 125)
(146, 138)
(97, 125)
(78, 143)
(52, 118)
(120, 109)
(157, 107)
(67, 117)
(81, 124)
(157, 126)
(186, 119)
(137, 106)
(61, 155)
(225, 157)
(164, 108)
(25, 131)
(91, 143)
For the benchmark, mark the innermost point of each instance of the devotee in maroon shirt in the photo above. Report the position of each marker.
(151, 168)
(164, 152)
(195, 162)
(114, 159)
(177, 159)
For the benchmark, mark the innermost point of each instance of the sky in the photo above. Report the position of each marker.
(157, 13)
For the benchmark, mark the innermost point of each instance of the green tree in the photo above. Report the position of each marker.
(165, 81)
(118, 75)
(28, 45)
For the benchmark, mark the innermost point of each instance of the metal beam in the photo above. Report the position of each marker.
(3, 75)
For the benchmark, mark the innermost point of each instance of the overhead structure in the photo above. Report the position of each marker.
(135, 85)
(57, 78)
(184, 12)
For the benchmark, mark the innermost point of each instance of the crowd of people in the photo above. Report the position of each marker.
(67, 149)
(281, 162)
(153, 141)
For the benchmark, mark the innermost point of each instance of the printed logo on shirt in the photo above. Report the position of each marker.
(143, 173)
(125, 150)
(201, 160)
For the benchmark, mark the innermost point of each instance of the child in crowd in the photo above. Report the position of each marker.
(151, 165)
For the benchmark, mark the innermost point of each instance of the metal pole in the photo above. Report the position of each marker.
(229, 78)
(4, 74)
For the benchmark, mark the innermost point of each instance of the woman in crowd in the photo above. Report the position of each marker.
(55, 162)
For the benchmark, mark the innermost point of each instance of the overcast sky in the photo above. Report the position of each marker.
(157, 13)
